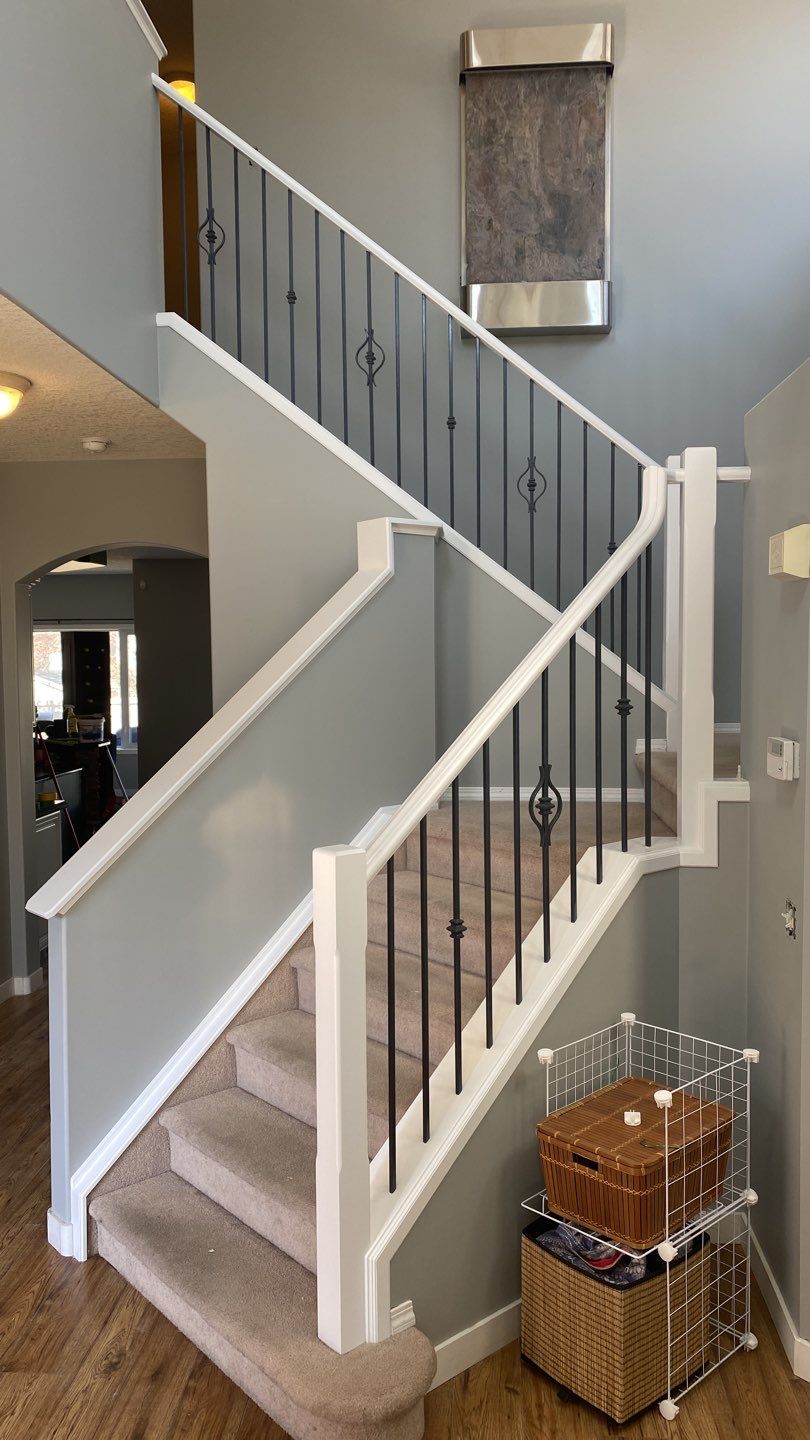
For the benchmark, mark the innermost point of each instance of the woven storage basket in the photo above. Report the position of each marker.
(609, 1346)
(610, 1177)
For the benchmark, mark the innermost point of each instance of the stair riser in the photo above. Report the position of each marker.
(409, 1025)
(296, 1422)
(292, 1096)
(440, 945)
(242, 1200)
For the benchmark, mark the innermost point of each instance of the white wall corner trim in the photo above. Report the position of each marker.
(60, 1234)
(139, 14)
(796, 1349)
(28, 984)
(403, 1317)
(459, 1352)
(158, 1091)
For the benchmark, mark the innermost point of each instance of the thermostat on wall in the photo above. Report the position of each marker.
(789, 553)
(783, 758)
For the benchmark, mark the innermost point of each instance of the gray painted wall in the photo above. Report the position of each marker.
(711, 132)
(776, 634)
(461, 1261)
(60, 598)
(230, 859)
(173, 631)
(82, 241)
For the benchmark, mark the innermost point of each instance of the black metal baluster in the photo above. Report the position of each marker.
(505, 463)
(531, 484)
(425, 974)
(597, 734)
(612, 543)
(344, 337)
(623, 705)
(370, 359)
(291, 295)
(559, 504)
(237, 255)
(181, 141)
(265, 282)
(318, 362)
(392, 1033)
(638, 583)
(648, 695)
(545, 835)
(456, 930)
(398, 380)
(211, 237)
(424, 403)
(477, 441)
(585, 508)
(451, 420)
(572, 767)
(487, 895)
(516, 851)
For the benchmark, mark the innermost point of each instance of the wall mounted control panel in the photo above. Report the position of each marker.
(783, 758)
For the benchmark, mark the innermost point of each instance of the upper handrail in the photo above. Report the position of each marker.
(501, 704)
(485, 336)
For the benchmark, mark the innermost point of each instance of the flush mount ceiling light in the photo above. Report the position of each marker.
(94, 445)
(184, 85)
(12, 389)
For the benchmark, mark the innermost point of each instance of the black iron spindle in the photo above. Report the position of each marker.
(318, 360)
(505, 463)
(648, 695)
(585, 508)
(392, 1032)
(424, 402)
(545, 826)
(612, 543)
(237, 255)
(456, 929)
(398, 380)
(425, 974)
(487, 894)
(181, 142)
(638, 581)
(623, 705)
(211, 237)
(265, 281)
(477, 441)
(370, 359)
(516, 852)
(344, 337)
(291, 295)
(559, 504)
(572, 768)
(451, 420)
(597, 738)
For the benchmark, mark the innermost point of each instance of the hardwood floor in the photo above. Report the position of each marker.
(83, 1357)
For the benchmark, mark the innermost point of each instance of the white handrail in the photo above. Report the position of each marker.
(485, 336)
(501, 704)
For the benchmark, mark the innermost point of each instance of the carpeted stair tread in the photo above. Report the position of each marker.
(253, 1160)
(253, 1311)
(440, 909)
(409, 998)
(275, 1060)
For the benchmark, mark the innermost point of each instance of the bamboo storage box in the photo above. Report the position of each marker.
(609, 1346)
(613, 1177)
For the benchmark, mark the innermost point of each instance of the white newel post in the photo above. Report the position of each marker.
(672, 603)
(343, 1196)
(695, 724)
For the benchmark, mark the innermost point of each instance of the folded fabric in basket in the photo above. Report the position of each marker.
(594, 1257)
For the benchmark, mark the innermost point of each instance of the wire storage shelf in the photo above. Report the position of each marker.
(675, 1170)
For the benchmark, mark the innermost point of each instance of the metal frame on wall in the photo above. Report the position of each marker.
(538, 305)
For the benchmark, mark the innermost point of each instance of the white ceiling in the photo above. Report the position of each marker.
(71, 398)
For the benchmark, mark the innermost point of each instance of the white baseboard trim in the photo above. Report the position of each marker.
(460, 1351)
(403, 1317)
(796, 1349)
(158, 1091)
(22, 984)
(585, 793)
(7, 989)
(60, 1234)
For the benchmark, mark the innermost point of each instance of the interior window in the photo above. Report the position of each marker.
(48, 690)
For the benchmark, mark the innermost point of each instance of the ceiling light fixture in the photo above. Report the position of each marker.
(184, 85)
(95, 445)
(12, 389)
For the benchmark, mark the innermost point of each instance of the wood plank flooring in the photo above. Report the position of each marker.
(83, 1357)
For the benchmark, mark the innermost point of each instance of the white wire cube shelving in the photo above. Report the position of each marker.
(703, 1093)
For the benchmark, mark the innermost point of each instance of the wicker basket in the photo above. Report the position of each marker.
(609, 1346)
(610, 1177)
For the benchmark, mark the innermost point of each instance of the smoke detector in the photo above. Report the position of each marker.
(95, 445)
